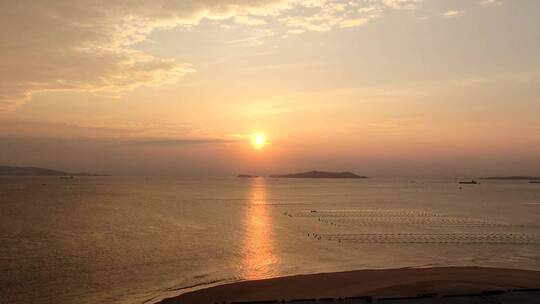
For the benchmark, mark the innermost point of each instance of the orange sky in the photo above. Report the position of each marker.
(382, 87)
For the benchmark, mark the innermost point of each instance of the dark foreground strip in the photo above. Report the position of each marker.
(256, 302)
(511, 296)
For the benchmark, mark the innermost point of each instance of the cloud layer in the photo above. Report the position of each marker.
(90, 45)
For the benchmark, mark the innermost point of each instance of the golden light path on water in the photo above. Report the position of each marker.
(259, 255)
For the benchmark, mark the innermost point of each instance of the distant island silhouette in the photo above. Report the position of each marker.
(318, 174)
(36, 171)
(512, 177)
(246, 176)
(473, 182)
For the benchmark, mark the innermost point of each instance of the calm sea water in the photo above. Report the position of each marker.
(137, 240)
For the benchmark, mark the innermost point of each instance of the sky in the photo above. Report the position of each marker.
(378, 87)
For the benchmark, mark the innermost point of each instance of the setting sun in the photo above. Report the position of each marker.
(259, 140)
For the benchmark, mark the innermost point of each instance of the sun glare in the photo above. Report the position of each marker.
(259, 140)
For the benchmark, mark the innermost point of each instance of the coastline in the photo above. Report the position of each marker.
(380, 282)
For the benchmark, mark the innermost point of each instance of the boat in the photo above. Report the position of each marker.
(473, 182)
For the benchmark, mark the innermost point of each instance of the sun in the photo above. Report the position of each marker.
(259, 140)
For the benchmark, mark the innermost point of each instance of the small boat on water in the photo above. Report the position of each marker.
(473, 182)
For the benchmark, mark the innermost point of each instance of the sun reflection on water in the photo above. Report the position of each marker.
(259, 256)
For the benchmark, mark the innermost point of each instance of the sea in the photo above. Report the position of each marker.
(139, 240)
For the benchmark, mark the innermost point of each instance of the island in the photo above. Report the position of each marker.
(473, 182)
(318, 174)
(36, 171)
(246, 176)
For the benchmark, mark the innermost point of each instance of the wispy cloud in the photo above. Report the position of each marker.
(264, 109)
(182, 141)
(162, 134)
(489, 3)
(402, 4)
(453, 14)
(32, 129)
(64, 45)
(92, 48)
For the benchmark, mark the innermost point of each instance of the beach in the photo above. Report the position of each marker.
(385, 282)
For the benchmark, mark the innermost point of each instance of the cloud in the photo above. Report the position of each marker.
(36, 129)
(181, 142)
(134, 135)
(402, 4)
(453, 14)
(90, 46)
(489, 3)
(66, 45)
(264, 109)
(331, 14)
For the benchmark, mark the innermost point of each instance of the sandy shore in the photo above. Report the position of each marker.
(388, 282)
